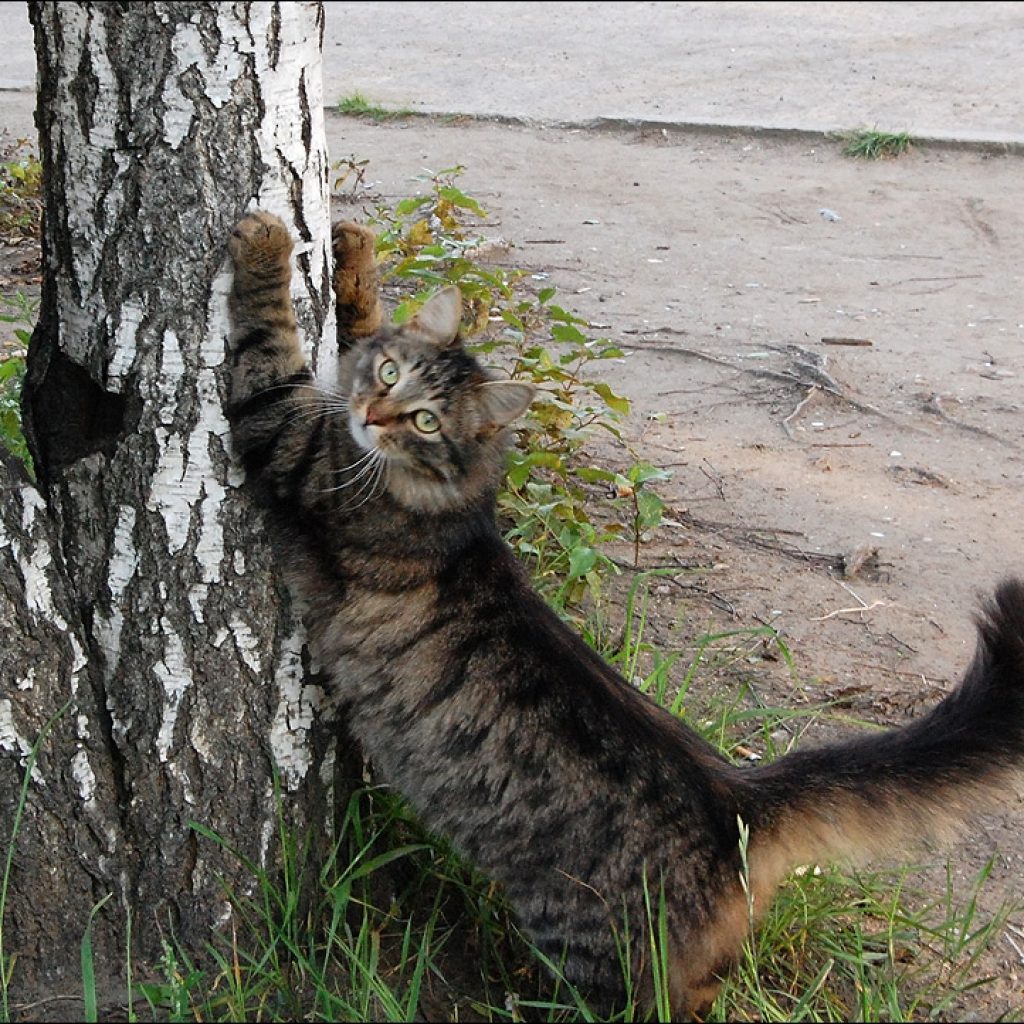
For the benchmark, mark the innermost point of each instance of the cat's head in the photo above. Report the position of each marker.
(429, 410)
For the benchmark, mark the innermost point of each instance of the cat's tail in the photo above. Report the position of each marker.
(881, 795)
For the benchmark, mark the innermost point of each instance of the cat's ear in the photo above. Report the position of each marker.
(502, 401)
(439, 318)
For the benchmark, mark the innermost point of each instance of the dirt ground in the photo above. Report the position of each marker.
(829, 356)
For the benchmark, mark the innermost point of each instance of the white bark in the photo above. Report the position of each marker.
(160, 124)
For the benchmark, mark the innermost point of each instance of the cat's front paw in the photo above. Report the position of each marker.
(353, 246)
(260, 244)
(356, 284)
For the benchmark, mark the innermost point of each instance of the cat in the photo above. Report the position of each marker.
(500, 726)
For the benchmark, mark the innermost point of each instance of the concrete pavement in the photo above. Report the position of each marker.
(938, 70)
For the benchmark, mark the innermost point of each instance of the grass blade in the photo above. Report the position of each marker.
(88, 967)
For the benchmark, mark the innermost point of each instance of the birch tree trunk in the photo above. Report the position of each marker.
(134, 582)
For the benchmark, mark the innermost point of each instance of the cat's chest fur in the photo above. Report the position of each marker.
(391, 589)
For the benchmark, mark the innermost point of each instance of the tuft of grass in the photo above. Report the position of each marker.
(862, 947)
(351, 173)
(376, 943)
(872, 144)
(90, 1002)
(357, 105)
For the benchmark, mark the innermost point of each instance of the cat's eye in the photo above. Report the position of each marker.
(387, 372)
(426, 422)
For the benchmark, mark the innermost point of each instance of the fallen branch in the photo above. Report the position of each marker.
(801, 405)
(934, 406)
(843, 611)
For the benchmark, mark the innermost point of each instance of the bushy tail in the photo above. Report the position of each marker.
(881, 795)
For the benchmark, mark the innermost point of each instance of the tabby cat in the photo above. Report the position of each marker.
(502, 728)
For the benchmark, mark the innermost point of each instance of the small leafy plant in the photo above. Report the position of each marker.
(12, 372)
(425, 242)
(20, 185)
(351, 173)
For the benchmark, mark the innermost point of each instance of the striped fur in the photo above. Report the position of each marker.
(498, 724)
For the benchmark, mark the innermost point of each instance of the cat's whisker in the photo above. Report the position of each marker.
(333, 393)
(378, 487)
(363, 465)
(377, 480)
(312, 414)
(314, 396)
(370, 488)
(312, 406)
(367, 467)
(313, 389)
(312, 399)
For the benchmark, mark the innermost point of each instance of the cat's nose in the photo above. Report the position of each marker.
(375, 413)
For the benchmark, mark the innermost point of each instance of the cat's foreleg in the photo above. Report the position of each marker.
(270, 382)
(356, 282)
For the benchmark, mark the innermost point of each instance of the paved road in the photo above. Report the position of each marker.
(938, 70)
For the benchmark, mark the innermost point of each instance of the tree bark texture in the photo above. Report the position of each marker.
(133, 581)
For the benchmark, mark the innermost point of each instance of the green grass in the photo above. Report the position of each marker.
(357, 105)
(872, 144)
(863, 947)
(20, 212)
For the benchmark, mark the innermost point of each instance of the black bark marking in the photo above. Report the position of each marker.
(68, 415)
(274, 37)
(295, 198)
(85, 88)
(307, 121)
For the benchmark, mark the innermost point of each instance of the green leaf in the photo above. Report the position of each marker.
(595, 475)
(567, 334)
(459, 198)
(642, 472)
(412, 204)
(614, 402)
(650, 509)
(581, 561)
(510, 318)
